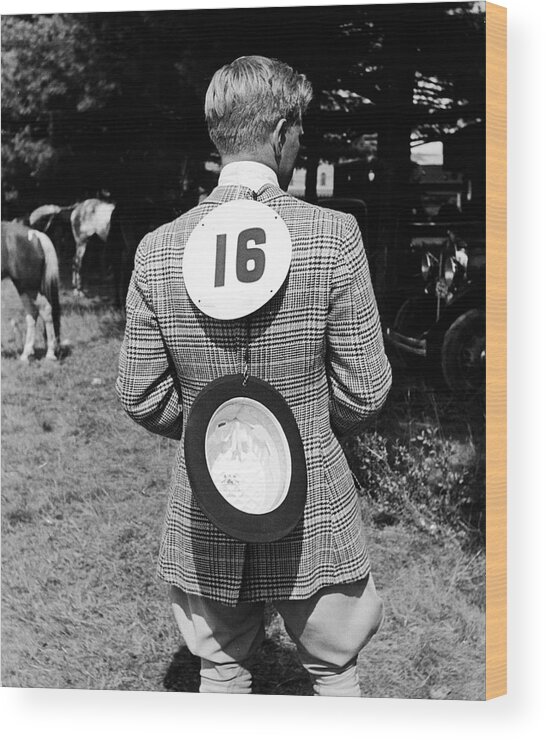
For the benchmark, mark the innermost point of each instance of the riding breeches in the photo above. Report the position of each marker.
(329, 630)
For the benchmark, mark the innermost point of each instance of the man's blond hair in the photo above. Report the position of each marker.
(246, 99)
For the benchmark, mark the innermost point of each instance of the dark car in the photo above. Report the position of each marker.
(433, 299)
(441, 314)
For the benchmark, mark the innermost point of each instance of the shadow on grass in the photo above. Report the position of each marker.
(418, 400)
(275, 670)
(10, 353)
(183, 672)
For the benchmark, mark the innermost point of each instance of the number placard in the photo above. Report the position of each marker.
(236, 259)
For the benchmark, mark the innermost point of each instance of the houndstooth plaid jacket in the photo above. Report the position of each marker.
(318, 342)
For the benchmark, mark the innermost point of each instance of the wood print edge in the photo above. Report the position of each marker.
(496, 681)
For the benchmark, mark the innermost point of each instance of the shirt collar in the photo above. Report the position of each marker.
(253, 175)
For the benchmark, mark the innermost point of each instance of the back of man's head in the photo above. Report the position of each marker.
(246, 99)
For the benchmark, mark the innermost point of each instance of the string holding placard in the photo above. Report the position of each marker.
(246, 352)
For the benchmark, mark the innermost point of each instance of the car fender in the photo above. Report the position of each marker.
(472, 297)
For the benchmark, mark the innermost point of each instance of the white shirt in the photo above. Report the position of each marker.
(253, 175)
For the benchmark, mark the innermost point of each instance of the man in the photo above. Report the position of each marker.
(318, 343)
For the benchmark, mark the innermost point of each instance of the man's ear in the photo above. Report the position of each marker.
(279, 138)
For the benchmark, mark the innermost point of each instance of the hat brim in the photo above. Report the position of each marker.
(241, 525)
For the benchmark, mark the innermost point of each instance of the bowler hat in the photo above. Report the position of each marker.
(245, 459)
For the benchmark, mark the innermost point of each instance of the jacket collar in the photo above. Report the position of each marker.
(225, 193)
(247, 180)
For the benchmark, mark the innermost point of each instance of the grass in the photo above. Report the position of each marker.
(83, 497)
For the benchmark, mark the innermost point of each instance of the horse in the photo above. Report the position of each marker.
(131, 220)
(30, 260)
(54, 221)
(89, 218)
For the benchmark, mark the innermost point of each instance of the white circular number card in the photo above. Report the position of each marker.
(236, 259)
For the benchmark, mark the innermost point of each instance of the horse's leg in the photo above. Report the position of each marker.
(115, 257)
(106, 265)
(28, 300)
(46, 313)
(128, 246)
(81, 245)
(126, 272)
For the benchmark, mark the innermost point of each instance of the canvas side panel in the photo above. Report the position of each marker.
(496, 350)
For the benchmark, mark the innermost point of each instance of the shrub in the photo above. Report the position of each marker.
(432, 481)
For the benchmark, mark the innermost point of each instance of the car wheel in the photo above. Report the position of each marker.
(463, 353)
(411, 320)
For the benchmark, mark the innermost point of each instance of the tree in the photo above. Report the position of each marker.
(118, 102)
(89, 102)
(50, 73)
(404, 72)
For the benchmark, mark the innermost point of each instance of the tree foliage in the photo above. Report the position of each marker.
(114, 100)
(50, 72)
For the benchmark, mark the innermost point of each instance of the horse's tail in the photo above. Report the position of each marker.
(50, 281)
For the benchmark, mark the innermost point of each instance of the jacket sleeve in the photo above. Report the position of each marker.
(358, 370)
(147, 383)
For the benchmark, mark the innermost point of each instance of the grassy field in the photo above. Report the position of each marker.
(83, 496)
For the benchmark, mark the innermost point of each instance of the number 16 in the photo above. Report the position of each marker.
(244, 255)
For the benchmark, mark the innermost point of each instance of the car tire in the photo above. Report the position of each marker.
(411, 320)
(463, 353)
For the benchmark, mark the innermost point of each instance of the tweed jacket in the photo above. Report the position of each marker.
(317, 341)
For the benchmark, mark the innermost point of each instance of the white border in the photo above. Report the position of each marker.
(86, 714)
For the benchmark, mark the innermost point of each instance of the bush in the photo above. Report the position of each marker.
(432, 481)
